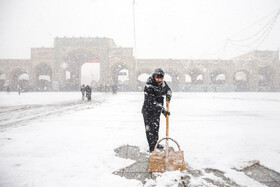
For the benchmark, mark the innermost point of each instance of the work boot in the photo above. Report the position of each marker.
(151, 149)
(160, 147)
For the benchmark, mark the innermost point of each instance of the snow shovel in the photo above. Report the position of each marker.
(167, 160)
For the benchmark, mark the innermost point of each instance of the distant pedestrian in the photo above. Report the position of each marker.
(83, 90)
(8, 89)
(88, 92)
(19, 90)
(107, 88)
(114, 89)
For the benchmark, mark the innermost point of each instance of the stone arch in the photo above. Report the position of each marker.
(241, 75)
(2, 80)
(14, 81)
(142, 72)
(196, 75)
(194, 79)
(188, 79)
(24, 82)
(145, 73)
(72, 63)
(118, 70)
(174, 84)
(168, 78)
(218, 76)
(265, 78)
(241, 80)
(43, 76)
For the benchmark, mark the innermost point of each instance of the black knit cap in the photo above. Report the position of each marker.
(159, 73)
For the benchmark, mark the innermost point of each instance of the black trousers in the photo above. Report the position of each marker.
(152, 121)
(88, 96)
(83, 95)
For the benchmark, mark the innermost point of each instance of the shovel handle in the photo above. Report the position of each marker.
(167, 128)
(166, 138)
(167, 119)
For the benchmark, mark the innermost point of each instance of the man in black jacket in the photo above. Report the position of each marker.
(88, 92)
(83, 90)
(154, 91)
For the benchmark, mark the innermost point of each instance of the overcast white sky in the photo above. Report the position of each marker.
(164, 28)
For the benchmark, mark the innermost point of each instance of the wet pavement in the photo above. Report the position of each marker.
(263, 175)
(139, 171)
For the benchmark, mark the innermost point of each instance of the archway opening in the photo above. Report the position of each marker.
(80, 64)
(120, 78)
(90, 75)
(67, 75)
(172, 78)
(68, 81)
(19, 78)
(72, 77)
(199, 79)
(143, 77)
(241, 81)
(23, 81)
(188, 83)
(141, 81)
(123, 80)
(43, 74)
(188, 79)
(266, 76)
(196, 76)
(2, 81)
(193, 81)
(23, 76)
(44, 83)
(220, 79)
(240, 76)
(168, 78)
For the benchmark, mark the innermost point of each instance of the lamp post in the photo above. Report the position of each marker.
(134, 33)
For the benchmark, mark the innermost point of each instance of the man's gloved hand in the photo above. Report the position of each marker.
(164, 112)
(168, 97)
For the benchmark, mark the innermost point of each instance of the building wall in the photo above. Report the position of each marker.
(69, 54)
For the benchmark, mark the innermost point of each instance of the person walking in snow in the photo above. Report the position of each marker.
(8, 89)
(19, 90)
(83, 90)
(114, 89)
(88, 92)
(155, 90)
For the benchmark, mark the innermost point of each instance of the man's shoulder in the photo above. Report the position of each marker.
(165, 84)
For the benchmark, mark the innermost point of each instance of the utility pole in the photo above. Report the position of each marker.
(134, 33)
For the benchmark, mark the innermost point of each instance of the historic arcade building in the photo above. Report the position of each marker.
(48, 67)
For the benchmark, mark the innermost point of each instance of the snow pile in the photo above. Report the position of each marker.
(171, 178)
(245, 164)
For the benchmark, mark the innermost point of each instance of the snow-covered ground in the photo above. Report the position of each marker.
(74, 144)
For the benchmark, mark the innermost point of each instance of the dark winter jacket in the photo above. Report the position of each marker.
(83, 89)
(153, 102)
(88, 90)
